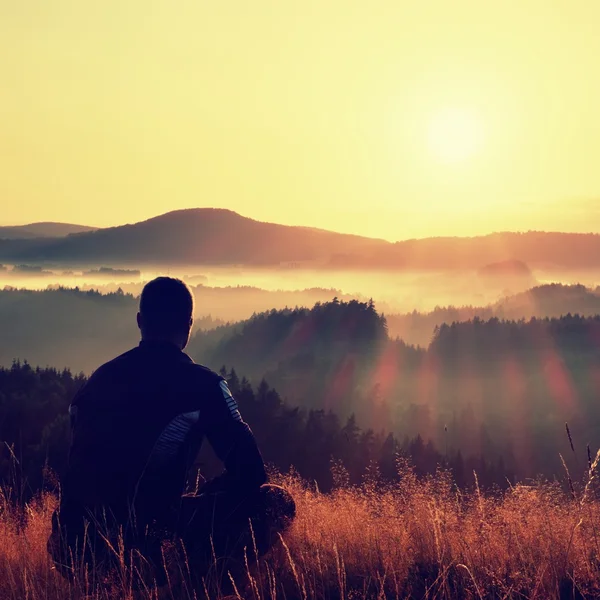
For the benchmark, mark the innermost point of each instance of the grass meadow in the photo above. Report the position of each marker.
(415, 539)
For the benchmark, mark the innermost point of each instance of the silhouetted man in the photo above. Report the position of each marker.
(137, 425)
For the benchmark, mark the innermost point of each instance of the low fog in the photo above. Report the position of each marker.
(235, 293)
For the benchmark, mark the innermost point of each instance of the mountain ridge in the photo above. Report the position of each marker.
(192, 236)
(215, 236)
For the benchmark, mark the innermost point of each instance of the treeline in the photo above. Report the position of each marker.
(34, 436)
(82, 328)
(65, 327)
(551, 300)
(497, 388)
(334, 356)
(34, 423)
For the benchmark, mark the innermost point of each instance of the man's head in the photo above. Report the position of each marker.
(166, 311)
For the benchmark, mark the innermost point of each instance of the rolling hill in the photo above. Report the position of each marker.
(537, 249)
(41, 230)
(195, 236)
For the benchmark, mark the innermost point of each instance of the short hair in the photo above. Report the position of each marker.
(166, 305)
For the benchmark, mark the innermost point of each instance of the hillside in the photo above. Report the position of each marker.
(41, 230)
(504, 388)
(222, 237)
(424, 534)
(195, 236)
(326, 357)
(537, 249)
(366, 504)
(65, 328)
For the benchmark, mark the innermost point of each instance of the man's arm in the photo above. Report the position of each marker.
(234, 444)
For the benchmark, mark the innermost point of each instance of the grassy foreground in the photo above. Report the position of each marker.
(417, 539)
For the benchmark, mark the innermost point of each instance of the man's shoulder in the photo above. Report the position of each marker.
(215, 396)
(204, 375)
(110, 368)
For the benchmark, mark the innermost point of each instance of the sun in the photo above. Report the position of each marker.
(454, 135)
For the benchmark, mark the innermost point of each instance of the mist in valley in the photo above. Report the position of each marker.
(234, 293)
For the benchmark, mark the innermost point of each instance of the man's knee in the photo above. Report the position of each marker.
(278, 504)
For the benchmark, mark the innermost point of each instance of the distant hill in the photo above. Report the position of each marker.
(206, 236)
(506, 268)
(41, 230)
(66, 328)
(508, 274)
(534, 248)
(195, 236)
(551, 300)
(545, 301)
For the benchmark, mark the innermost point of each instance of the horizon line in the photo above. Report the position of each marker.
(299, 226)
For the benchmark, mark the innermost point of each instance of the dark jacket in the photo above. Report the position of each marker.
(138, 425)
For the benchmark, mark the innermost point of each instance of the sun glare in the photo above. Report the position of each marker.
(454, 135)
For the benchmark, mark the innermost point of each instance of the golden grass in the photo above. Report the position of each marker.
(416, 539)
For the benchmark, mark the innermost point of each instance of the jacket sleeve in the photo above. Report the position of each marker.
(234, 444)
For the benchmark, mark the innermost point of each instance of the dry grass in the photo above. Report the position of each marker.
(417, 539)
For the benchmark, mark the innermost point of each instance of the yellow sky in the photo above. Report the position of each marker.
(314, 112)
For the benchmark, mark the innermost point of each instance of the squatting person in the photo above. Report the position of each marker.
(137, 425)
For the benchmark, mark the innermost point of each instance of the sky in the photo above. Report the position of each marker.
(387, 118)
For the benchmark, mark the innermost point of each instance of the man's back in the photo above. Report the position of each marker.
(137, 427)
